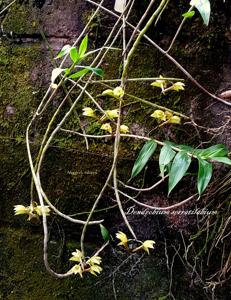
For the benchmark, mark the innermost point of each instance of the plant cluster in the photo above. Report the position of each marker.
(174, 159)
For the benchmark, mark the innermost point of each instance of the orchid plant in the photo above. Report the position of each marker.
(174, 159)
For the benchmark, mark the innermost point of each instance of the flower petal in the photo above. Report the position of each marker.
(124, 129)
(159, 114)
(89, 112)
(106, 127)
(118, 92)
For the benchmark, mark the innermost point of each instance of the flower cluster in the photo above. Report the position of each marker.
(124, 241)
(160, 83)
(117, 93)
(163, 85)
(109, 114)
(33, 211)
(107, 127)
(166, 116)
(91, 265)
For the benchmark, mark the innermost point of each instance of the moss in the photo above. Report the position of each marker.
(17, 65)
(31, 281)
(24, 277)
(73, 183)
(20, 20)
(4, 58)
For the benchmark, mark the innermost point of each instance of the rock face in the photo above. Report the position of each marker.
(57, 19)
(25, 68)
(225, 89)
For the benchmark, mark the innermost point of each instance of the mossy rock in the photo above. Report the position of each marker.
(20, 20)
(16, 87)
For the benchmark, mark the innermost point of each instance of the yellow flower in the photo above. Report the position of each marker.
(95, 269)
(106, 127)
(161, 83)
(124, 129)
(89, 112)
(94, 263)
(175, 120)
(33, 211)
(118, 92)
(39, 210)
(168, 115)
(91, 266)
(76, 270)
(94, 260)
(123, 238)
(112, 114)
(77, 256)
(108, 93)
(20, 210)
(159, 114)
(146, 245)
(178, 86)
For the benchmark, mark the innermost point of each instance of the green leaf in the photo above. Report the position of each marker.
(144, 155)
(204, 8)
(83, 46)
(84, 71)
(166, 155)
(79, 74)
(179, 167)
(186, 148)
(97, 71)
(67, 71)
(224, 160)
(65, 50)
(218, 150)
(189, 14)
(74, 55)
(204, 175)
(104, 232)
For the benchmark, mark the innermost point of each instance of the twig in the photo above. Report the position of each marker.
(144, 189)
(138, 25)
(157, 207)
(178, 30)
(8, 6)
(179, 66)
(136, 79)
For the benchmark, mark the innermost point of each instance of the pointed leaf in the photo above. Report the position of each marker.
(166, 155)
(144, 155)
(204, 175)
(204, 8)
(218, 150)
(65, 50)
(96, 71)
(186, 148)
(179, 168)
(104, 232)
(79, 74)
(83, 46)
(189, 14)
(224, 160)
(74, 55)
